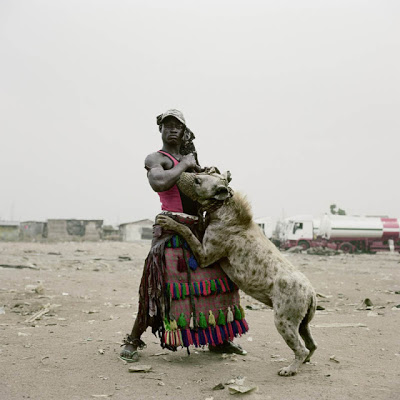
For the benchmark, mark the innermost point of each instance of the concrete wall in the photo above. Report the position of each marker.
(9, 232)
(74, 230)
(32, 231)
(110, 233)
(137, 231)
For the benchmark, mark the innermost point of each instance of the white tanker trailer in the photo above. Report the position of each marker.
(346, 233)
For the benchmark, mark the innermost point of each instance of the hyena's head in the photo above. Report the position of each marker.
(206, 186)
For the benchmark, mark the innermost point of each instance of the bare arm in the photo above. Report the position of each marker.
(162, 179)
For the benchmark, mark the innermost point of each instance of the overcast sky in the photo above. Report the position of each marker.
(300, 100)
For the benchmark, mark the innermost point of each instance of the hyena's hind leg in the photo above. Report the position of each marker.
(305, 333)
(289, 330)
(304, 329)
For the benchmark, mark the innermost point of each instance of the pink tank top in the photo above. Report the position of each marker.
(171, 199)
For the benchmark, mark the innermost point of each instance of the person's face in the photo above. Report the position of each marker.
(172, 131)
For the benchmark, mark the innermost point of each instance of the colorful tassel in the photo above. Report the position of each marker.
(221, 318)
(211, 319)
(180, 339)
(229, 316)
(191, 322)
(182, 321)
(239, 328)
(230, 331)
(175, 241)
(189, 336)
(202, 321)
(243, 326)
(226, 332)
(185, 340)
(242, 311)
(197, 288)
(210, 336)
(192, 263)
(183, 288)
(196, 339)
(181, 264)
(238, 315)
(219, 336)
(176, 291)
(166, 324)
(213, 287)
(173, 325)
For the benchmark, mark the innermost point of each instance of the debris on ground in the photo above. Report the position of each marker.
(40, 313)
(295, 249)
(333, 358)
(124, 258)
(39, 289)
(323, 251)
(140, 368)
(235, 389)
(220, 386)
(366, 304)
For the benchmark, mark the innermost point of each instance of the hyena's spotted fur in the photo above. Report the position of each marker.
(255, 265)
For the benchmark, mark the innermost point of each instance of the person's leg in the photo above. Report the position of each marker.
(132, 343)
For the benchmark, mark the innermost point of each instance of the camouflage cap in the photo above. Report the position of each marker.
(171, 113)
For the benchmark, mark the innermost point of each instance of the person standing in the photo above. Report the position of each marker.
(185, 305)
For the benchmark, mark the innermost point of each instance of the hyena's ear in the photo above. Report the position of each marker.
(228, 176)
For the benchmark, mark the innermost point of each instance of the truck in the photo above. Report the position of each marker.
(342, 232)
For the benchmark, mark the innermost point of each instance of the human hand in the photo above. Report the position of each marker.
(190, 162)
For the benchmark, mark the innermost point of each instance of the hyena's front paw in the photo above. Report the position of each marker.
(166, 222)
(287, 371)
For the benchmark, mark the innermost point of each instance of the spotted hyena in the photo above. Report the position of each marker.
(251, 261)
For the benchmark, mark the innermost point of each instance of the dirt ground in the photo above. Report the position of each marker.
(88, 295)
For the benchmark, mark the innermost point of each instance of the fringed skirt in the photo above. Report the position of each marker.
(187, 305)
(204, 303)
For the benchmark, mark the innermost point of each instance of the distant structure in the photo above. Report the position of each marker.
(74, 230)
(110, 233)
(9, 231)
(32, 231)
(138, 230)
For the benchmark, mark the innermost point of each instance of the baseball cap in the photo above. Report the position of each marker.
(171, 113)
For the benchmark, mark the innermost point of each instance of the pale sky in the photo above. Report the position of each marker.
(300, 100)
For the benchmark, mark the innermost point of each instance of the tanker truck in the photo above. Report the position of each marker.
(346, 233)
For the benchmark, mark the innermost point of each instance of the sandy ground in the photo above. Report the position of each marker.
(90, 289)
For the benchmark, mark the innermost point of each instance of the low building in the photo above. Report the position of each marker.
(9, 231)
(138, 230)
(110, 233)
(74, 230)
(32, 231)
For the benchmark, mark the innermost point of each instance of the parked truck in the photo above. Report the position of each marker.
(342, 232)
